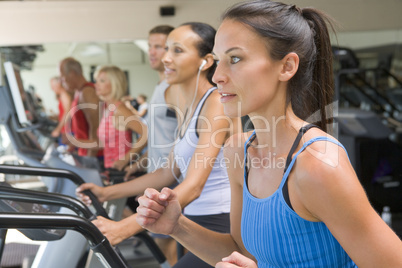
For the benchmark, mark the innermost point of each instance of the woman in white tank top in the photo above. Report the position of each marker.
(197, 161)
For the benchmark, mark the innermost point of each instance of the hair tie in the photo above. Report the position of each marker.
(299, 10)
(309, 21)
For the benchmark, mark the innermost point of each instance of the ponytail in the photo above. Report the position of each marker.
(323, 81)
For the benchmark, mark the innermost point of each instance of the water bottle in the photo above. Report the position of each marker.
(386, 215)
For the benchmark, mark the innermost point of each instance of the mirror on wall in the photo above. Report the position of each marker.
(39, 63)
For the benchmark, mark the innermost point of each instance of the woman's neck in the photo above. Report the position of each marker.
(275, 129)
(111, 101)
(191, 95)
(192, 92)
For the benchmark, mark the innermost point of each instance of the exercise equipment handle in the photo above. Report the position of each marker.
(98, 243)
(54, 172)
(15, 194)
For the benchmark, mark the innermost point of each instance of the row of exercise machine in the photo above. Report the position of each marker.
(55, 216)
(369, 125)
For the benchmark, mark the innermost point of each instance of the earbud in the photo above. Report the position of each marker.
(203, 64)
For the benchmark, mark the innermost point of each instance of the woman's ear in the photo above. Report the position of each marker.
(290, 64)
(210, 61)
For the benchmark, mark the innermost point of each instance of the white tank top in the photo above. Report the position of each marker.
(215, 196)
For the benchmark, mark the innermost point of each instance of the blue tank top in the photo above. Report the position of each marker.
(277, 237)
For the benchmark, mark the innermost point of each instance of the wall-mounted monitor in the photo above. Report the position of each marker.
(18, 93)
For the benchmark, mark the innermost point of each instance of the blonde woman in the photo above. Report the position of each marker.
(118, 122)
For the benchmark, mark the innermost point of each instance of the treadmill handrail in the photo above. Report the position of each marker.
(47, 198)
(55, 172)
(19, 128)
(97, 241)
(42, 171)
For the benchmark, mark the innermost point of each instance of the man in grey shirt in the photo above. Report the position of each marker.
(162, 126)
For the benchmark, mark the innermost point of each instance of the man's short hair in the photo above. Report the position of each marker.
(71, 65)
(143, 96)
(161, 29)
(56, 78)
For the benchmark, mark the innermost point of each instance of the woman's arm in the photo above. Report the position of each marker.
(212, 246)
(124, 119)
(65, 100)
(161, 213)
(88, 97)
(160, 178)
(330, 191)
(213, 129)
(236, 260)
(142, 110)
(139, 166)
(117, 231)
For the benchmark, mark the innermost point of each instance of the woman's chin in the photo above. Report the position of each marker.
(231, 112)
(170, 80)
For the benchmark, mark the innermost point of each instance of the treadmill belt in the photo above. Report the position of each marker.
(14, 254)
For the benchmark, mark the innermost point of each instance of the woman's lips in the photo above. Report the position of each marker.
(226, 97)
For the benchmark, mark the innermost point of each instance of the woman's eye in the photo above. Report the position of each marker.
(177, 50)
(234, 59)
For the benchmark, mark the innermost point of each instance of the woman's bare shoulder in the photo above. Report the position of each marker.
(322, 163)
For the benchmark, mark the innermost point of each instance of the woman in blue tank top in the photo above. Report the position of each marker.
(296, 200)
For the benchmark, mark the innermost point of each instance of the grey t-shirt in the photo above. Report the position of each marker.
(162, 127)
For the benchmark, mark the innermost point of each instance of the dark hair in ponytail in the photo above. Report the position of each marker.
(287, 28)
(206, 44)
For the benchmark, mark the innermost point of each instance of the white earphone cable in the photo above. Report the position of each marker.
(184, 119)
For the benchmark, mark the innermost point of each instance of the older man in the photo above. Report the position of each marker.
(84, 113)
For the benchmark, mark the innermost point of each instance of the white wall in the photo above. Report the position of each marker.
(364, 39)
(25, 22)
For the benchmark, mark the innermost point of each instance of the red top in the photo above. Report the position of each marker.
(61, 114)
(116, 143)
(79, 124)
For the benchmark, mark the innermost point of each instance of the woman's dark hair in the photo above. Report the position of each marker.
(206, 44)
(287, 28)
